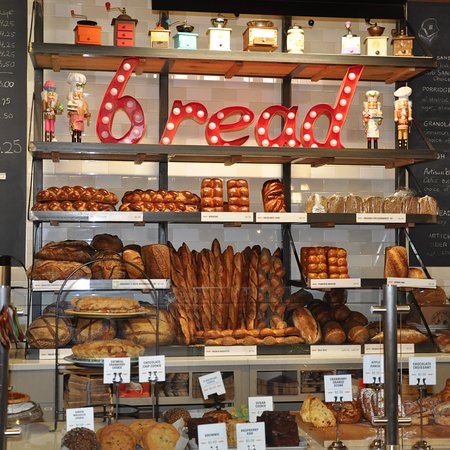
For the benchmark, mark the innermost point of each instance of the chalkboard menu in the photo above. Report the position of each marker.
(431, 110)
(13, 126)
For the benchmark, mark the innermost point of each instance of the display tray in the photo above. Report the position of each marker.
(108, 315)
(92, 362)
(361, 434)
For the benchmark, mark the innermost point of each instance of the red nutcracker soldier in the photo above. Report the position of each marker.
(50, 108)
(77, 106)
(403, 115)
(372, 118)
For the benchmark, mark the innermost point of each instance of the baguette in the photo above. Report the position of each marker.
(238, 264)
(228, 265)
(250, 316)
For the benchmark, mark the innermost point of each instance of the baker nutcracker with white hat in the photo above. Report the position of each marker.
(77, 106)
(372, 117)
(403, 115)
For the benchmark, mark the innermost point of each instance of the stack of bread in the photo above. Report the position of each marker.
(159, 201)
(273, 196)
(402, 201)
(75, 198)
(211, 193)
(324, 262)
(238, 196)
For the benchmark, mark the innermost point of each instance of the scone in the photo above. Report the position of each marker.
(305, 410)
(140, 427)
(162, 436)
(321, 416)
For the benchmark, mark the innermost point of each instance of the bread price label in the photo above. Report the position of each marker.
(257, 405)
(211, 383)
(2, 176)
(212, 437)
(251, 436)
(115, 216)
(281, 217)
(116, 370)
(425, 283)
(80, 417)
(334, 283)
(338, 388)
(227, 217)
(380, 218)
(373, 369)
(152, 368)
(422, 371)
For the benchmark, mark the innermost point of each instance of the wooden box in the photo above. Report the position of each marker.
(88, 34)
(403, 45)
(260, 39)
(376, 45)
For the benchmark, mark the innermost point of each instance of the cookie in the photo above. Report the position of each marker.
(116, 437)
(162, 436)
(139, 427)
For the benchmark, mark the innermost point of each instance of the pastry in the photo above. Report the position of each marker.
(442, 414)
(80, 438)
(305, 410)
(350, 412)
(172, 415)
(116, 437)
(281, 428)
(105, 304)
(114, 348)
(42, 332)
(140, 427)
(220, 414)
(93, 329)
(231, 431)
(17, 397)
(162, 436)
(194, 423)
(321, 416)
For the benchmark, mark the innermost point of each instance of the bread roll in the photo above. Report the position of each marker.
(58, 270)
(69, 250)
(309, 329)
(405, 335)
(430, 296)
(134, 257)
(156, 260)
(416, 272)
(93, 329)
(358, 334)
(333, 333)
(42, 332)
(107, 241)
(396, 262)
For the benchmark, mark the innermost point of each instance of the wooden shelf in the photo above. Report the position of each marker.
(314, 67)
(228, 155)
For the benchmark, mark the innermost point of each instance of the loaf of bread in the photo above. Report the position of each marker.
(273, 196)
(393, 204)
(306, 324)
(336, 204)
(134, 266)
(142, 330)
(94, 329)
(405, 335)
(105, 304)
(74, 193)
(428, 205)
(333, 333)
(353, 204)
(42, 332)
(358, 334)
(316, 203)
(78, 205)
(211, 194)
(349, 413)
(107, 265)
(69, 250)
(410, 204)
(113, 348)
(430, 296)
(107, 241)
(373, 204)
(50, 270)
(156, 260)
(238, 195)
(396, 262)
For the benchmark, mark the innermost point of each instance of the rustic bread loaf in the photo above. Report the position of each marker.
(134, 257)
(156, 260)
(333, 333)
(69, 250)
(108, 266)
(105, 304)
(42, 332)
(306, 324)
(43, 269)
(93, 329)
(107, 241)
(396, 262)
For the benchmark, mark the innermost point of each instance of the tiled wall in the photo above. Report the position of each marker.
(365, 244)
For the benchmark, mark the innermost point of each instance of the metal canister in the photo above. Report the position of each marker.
(295, 42)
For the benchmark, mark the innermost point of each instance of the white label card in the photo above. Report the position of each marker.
(212, 437)
(227, 217)
(335, 283)
(230, 350)
(2, 176)
(50, 353)
(412, 282)
(373, 369)
(378, 348)
(116, 370)
(268, 217)
(380, 218)
(335, 351)
(422, 371)
(152, 368)
(257, 405)
(338, 388)
(211, 383)
(118, 216)
(79, 417)
(159, 283)
(251, 436)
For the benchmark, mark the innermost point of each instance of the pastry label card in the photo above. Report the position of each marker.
(422, 371)
(335, 351)
(426, 283)
(380, 218)
(257, 405)
(79, 417)
(338, 388)
(152, 368)
(268, 217)
(211, 384)
(251, 436)
(116, 370)
(212, 437)
(373, 369)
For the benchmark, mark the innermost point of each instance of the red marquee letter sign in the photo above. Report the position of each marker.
(179, 112)
(215, 127)
(113, 101)
(287, 136)
(337, 115)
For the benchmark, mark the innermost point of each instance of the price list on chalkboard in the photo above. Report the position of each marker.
(431, 110)
(13, 126)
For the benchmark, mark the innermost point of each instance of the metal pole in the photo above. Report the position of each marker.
(5, 297)
(391, 366)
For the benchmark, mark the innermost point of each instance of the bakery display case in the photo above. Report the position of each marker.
(267, 312)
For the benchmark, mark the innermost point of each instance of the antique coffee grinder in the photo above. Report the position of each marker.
(86, 31)
(124, 27)
(403, 44)
(159, 37)
(219, 37)
(185, 38)
(376, 44)
(260, 36)
(350, 43)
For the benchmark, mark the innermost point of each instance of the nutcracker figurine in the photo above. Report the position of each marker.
(77, 106)
(403, 115)
(372, 117)
(50, 108)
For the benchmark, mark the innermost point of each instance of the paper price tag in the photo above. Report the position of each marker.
(335, 351)
(152, 368)
(412, 282)
(217, 351)
(79, 417)
(281, 217)
(251, 436)
(422, 371)
(338, 388)
(2, 176)
(111, 216)
(116, 370)
(373, 369)
(212, 383)
(335, 283)
(257, 405)
(212, 437)
(380, 218)
(226, 217)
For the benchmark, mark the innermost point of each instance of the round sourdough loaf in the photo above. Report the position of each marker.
(42, 332)
(93, 329)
